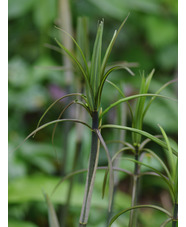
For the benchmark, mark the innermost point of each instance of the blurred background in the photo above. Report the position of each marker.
(36, 79)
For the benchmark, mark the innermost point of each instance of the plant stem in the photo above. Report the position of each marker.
(175, 215)
(71, 184)
(135, 189)
(93, 161)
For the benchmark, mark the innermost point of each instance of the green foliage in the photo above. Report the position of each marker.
(36, 79)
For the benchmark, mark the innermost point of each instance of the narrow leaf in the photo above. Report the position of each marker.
(146, 134)
(166, 222)
(52, 217)
(171, 157)
(153, 98)
(161, 162)
(109, 49)
(50, 123)
(96, 60)
(65, 96)
(138, 207)
(78, 47)
(156, 171)
(130, 98)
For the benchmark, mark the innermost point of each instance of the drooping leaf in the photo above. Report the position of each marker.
(138, 207)
(146, 134)
(130, 98)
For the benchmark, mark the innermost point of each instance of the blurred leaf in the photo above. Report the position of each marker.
(15, 223)
(19, 73)
(30, 188)
(167, 118)
(43, 70)
(17, 8)
(30, 99)
(121, 7)
(44, 13)
(167, 58)
(16, 168)
(53, 221)
(160, 32)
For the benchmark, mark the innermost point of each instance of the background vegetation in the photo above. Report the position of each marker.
(149, 38)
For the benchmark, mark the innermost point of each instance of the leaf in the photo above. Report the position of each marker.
(53, 221)
(95, 76)
(46, 111)
(166, 222)
(159, 90)
(50, 123)
(146, 134)
(79, 49)
(156, 171)
(104, 79)
(15, 223)
(86, 77)
(138, 116)
(40, 11)
(109, 49)
(170, 156)
(19, 7)
(130, 98)
(161, 162)
(137, 207)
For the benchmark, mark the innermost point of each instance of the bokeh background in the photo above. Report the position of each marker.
(36, 79)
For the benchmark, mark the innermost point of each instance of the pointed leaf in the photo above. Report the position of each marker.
(53, 221)
(96, 60)
(146, 134)
(130, 98)
(109, 49)
(171, 157)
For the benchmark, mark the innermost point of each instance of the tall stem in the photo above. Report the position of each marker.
(93, 162)
(175, 215)
(135, 189)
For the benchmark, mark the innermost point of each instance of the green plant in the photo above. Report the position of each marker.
(95, 75)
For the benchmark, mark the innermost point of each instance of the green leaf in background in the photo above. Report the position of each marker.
(30, 99)
(17, 8)
(19, 72)
(52, 217)
(121, 7)
(27, 189)
(160, 32)
(167, 58)
(15, 223)
(44, 13)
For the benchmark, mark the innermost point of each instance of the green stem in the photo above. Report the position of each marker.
(71, 184)
(93, 161)
(175, 215)
(135, 189)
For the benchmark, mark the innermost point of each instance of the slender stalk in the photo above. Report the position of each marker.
(71, 184)
(93, 162)
(175, 215)
(135, 191)
(121, 119)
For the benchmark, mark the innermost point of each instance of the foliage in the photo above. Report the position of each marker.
(36, 79)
